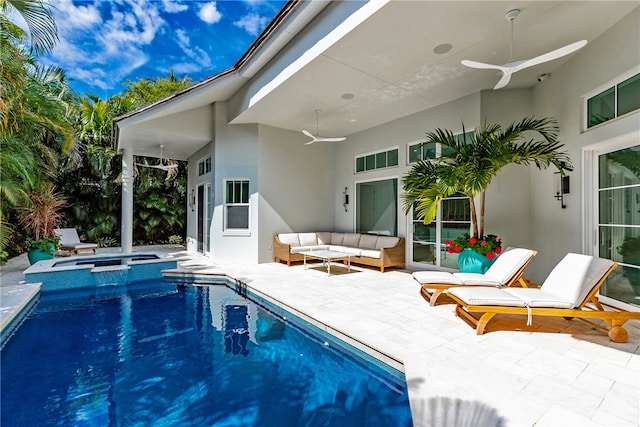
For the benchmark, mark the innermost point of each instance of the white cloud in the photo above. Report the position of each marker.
(171, 6)
(252, 23)
(209, 13)
(69, 15)
(200, 57)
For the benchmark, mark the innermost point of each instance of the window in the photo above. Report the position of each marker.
(424, 151)
(377, 160)
(614, 102)
(204, 166)
(236, 206)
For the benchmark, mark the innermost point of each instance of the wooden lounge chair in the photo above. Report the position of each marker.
(507, 270)
(69, 241)
(569, 291)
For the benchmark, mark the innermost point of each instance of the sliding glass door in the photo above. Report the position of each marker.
(619, 221)
(204, 210)
(377, 207)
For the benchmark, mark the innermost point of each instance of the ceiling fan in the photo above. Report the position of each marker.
(513, 66)
(316, 137)
(160, 165)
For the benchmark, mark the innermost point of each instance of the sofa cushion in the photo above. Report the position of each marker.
(324, 238)
(337, 238)
(289, 239)
(368, 241)
(347, 249)
(298, 249)
(371, 253)
(308, 239)
(386, 242)
(351, 240)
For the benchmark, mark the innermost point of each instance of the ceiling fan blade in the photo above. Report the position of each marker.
(550, 56)
(323, 139)
(310, 142)
(307, 133)
(504, 80)
(481, 65)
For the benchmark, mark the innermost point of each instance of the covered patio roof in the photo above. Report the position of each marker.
(381, 63)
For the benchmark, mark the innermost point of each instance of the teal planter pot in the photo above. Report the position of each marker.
(469, 261)
(36, 254)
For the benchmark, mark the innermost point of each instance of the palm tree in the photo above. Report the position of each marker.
(470, 164)
(39, 19)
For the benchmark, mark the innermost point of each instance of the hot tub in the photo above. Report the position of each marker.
(95, 271)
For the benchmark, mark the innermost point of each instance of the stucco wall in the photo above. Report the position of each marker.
(617, 51)
(236, 156)
(295, 186)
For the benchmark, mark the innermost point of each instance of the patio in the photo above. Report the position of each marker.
(566, 373)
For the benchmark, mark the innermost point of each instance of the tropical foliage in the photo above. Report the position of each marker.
(51, 136)
(471, 163)
(489, 246)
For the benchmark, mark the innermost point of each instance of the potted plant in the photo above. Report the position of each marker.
(469, 164)
(42, 216)
(475, 255)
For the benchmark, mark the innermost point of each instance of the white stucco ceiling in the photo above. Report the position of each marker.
(387, 63)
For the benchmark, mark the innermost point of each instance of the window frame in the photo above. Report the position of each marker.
(227, 231)
(375, 155)
(438, 147)
(205, 163)
(613, 83)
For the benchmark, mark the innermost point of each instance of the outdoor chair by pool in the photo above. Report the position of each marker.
(569, 291)
(507, 271)
(69, 241)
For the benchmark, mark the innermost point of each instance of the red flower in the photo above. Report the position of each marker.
(448, 243)
(483, 243)
(498, 250)
(458, 249)
(489, 255)
(472, 240)
(449, 249)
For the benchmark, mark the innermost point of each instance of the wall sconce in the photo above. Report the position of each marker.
(345, 199)
(192, 200)
(562, 188)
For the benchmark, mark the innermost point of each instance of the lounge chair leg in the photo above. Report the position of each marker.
(618, 334)
(434, 296)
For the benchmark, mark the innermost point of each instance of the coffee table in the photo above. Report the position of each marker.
(327, 256)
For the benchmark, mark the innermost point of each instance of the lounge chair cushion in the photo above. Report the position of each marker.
(439, 277)
(575, 276)
(478, 295)
(508, 264)
(533, 297)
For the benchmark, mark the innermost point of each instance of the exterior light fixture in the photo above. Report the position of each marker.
(562, 188)
(345, 199)
(192, 200)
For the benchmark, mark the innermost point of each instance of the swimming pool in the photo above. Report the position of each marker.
(166, 354)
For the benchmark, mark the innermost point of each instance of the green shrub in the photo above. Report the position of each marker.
(175, 240)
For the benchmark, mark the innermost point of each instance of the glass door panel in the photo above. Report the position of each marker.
(619, 221)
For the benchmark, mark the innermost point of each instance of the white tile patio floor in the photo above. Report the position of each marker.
(566, 373)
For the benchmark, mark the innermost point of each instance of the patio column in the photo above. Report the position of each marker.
(126, 230)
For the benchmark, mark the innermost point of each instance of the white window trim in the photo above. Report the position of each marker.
(609, 84)
(235, 231)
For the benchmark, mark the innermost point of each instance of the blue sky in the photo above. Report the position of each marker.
(104, 43)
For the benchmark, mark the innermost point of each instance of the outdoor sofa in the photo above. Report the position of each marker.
(367, 249)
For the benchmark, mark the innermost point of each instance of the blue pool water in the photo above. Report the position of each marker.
(167, 355)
